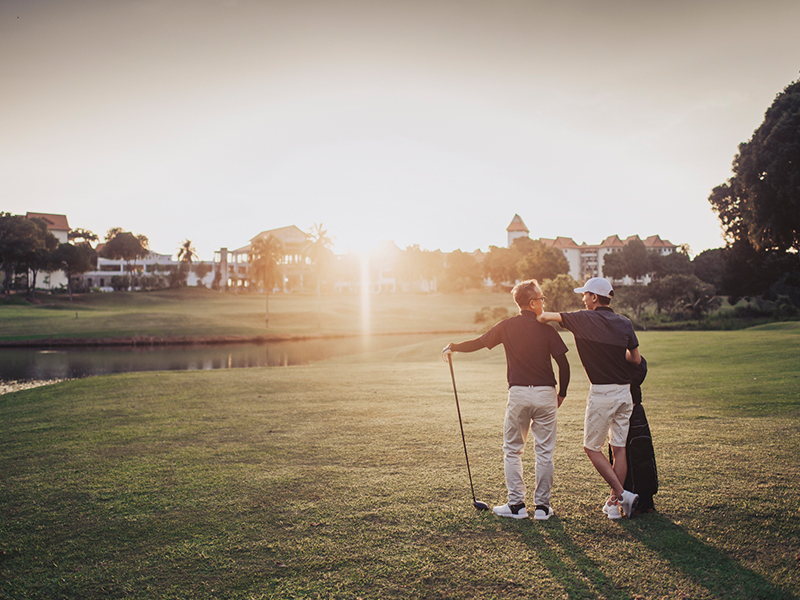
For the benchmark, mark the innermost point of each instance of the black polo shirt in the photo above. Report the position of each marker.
(528, 345)
(602, 337)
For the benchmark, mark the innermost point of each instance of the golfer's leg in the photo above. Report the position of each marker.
(600, 411)
(545, 417)
(618, 433)
(620, 463)
(605, 469)
(515, 432)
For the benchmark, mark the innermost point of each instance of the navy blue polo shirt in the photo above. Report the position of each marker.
(602, 337)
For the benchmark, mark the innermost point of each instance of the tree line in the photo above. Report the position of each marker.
(758, 207)
(27, 249)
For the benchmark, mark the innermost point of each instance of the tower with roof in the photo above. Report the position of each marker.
(516, 229)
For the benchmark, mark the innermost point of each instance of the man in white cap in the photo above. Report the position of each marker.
(606, 343)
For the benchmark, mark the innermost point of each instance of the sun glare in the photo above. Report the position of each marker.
(366, 308)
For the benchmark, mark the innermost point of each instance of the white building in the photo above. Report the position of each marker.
(154, 265)
(586, 260)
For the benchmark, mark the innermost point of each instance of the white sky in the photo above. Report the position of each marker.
(420, 122)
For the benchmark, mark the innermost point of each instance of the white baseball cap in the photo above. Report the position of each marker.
(597, 285)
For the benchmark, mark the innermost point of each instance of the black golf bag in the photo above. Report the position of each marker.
(642, 477)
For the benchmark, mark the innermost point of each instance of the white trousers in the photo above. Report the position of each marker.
(535, 409)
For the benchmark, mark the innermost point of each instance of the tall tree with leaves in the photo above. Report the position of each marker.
(40, 257)
(22, 240)
(500, 265)
(633, 260)
(318, 251)
(560, 293)
(123, 245)
(75, 260)
(761, 202)
(186, 254)
(540, 262)
(82, 236)
(265, 257)
(462, 272)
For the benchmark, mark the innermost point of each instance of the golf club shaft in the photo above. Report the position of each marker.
(461, 425)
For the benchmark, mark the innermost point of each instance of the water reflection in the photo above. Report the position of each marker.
(37, 364)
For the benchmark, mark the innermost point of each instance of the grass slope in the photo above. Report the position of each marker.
(346, 479)
(202, 313)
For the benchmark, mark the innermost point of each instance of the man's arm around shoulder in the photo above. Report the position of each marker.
(546, 317)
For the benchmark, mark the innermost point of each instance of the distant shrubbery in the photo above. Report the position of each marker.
(491, 315)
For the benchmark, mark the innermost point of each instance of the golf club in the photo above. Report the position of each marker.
(476, 503)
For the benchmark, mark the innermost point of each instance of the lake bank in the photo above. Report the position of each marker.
(145, 340)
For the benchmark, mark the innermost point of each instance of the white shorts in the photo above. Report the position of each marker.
(608, 413)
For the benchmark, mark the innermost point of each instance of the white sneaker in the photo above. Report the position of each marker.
(628, 503)
(515, 511)
(612, 510)
(542, 513)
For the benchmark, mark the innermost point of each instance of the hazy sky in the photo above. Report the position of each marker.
(426, 123)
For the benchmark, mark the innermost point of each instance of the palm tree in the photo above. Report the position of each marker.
(186, 254)
(84, 235)
(318, 250)
(265, 255)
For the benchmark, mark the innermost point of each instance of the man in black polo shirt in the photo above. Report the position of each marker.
(532, 399)
(606, 343)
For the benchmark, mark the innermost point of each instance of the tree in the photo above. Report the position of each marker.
(500, 265)
(634, 260)
(761, 202)
(748, 272)
(415, 264)
(560, 293)
(40, 256)
(319, 253)
(23, 244)
(539, 261)
(668, 292)
(614, 265)
(123, 245)
(638, 259)
(633, 297)
(75, 260)
(186, 254)
(708, 266)
(84, 235)
(699, 298)
(265, 255)
(674, 263)
(201, 270)
(461, 272)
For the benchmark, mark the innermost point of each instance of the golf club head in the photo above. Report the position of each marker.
(480, 505)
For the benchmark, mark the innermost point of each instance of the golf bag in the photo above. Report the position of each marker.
(642, 476)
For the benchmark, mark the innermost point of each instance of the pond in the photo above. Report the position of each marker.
(26, 364)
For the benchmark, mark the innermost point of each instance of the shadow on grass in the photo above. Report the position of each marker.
(706, 566)
(702, 563)
(580, 576)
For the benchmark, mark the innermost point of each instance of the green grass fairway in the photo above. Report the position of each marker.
(346, 479)
(201, 314)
